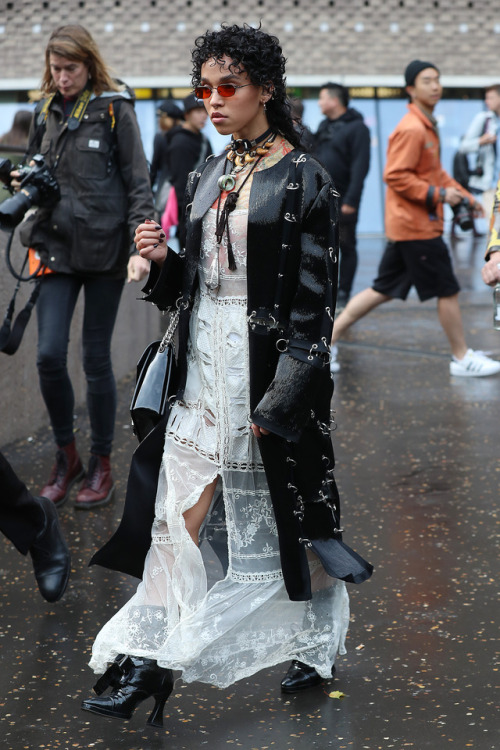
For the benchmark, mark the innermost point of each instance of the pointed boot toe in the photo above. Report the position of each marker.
(112, 706)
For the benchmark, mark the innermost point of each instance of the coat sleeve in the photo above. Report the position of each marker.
(470, 142)
(163, 286)
(133, 169)
(302, 378)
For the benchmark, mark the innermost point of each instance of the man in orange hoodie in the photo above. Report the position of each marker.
(416, 255)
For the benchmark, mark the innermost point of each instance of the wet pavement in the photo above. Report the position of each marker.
(418, 470)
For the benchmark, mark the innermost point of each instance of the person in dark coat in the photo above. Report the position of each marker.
(187, 149)
(169, 117)
(342, 145)
(32, 525)
(254, 291)
(86, 129)
(306, 136)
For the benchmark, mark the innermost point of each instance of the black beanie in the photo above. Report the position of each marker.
(414, 68)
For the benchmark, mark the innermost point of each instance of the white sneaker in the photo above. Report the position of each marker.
(334, 363)
(474, 365)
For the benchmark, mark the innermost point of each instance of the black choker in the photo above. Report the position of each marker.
(242, 151)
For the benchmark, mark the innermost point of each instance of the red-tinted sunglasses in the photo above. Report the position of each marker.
(224, 89)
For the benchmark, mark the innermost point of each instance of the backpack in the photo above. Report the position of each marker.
(461, 170)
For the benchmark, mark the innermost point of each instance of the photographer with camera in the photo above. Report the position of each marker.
(90, 183)
(417, 188)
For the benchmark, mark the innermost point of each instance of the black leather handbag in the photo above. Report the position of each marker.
(155, 382)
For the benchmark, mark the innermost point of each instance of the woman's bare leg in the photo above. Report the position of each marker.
(195, 516)
(356, 308)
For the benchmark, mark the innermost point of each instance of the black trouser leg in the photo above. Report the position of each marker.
(348, 254)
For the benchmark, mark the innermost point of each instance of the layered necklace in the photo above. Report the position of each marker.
(241, 153)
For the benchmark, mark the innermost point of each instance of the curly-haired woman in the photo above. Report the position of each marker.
(246, 444)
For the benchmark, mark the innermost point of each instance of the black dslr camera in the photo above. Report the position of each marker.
(462, 214)
(38, 188)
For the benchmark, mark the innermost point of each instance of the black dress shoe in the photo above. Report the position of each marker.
(300, 677)
(50, 555)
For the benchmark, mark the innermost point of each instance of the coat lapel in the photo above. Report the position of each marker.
(207, 190)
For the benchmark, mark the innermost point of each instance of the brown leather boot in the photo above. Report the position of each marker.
(98, 487)
(67, 470)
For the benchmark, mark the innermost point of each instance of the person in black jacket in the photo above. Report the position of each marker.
(87, 131)
(187, 149)
(342, 145)
(306, 136)
(32, 525)
(249, 424)
(169, 117)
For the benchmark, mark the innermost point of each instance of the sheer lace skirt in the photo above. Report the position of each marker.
(219, 632)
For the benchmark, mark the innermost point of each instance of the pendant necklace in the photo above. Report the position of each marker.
(241, 152)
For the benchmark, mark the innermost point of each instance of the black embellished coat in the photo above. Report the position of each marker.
(292, 257)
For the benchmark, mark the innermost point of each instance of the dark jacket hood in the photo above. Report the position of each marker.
(343, 147)
(350, 115)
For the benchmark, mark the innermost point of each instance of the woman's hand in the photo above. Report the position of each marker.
(15, 180)
(259, 431)
(150, 242)
(137, 268)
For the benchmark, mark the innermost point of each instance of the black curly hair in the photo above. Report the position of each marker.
(261, 56)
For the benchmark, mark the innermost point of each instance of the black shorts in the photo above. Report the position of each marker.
(424, 264)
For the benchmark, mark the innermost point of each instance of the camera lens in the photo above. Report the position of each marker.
(463, 215)
(13, 209)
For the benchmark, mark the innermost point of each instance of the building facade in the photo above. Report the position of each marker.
(365, 44)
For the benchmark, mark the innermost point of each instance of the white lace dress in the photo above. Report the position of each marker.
(244, 622)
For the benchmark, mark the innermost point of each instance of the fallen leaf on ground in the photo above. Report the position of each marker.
(336, 694)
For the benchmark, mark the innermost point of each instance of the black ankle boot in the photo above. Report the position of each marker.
(141, 679)
(112, 676)
(300, 677)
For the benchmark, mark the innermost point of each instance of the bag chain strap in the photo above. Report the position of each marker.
(169, 333)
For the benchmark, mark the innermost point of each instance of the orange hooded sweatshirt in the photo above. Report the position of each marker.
(414, 176)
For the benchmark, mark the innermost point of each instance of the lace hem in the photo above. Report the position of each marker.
(161, 539)
(214, 457)
(227, 301)
(274, 575)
